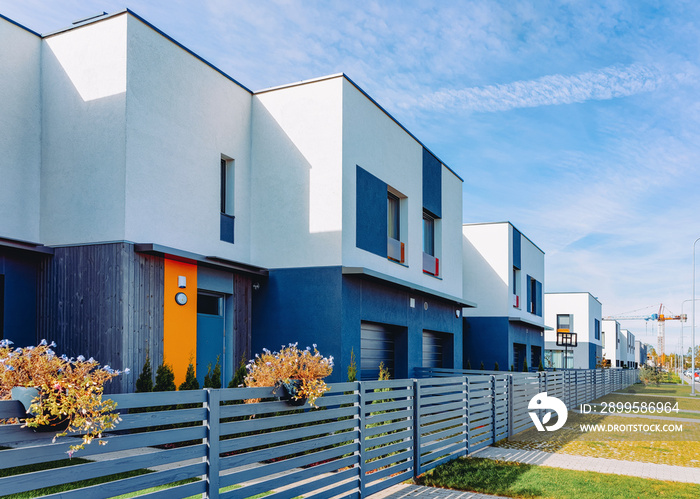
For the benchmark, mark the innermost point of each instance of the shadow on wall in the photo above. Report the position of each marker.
(300, 304)
(485, 333)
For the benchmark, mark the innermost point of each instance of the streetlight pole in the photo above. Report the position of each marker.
(692, 351)
(682, 353)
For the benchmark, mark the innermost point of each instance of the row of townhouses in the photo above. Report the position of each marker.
(150, 204)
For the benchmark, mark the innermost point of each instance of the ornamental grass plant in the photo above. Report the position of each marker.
(289, 364)
(69, 390)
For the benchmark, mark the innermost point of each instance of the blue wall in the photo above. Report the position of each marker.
(595, 352)
(490, 340)
(432, 184)
(20, 276)
(298, 305)
(486, 340)
(320, 305)
(517, 249)
(371, 210)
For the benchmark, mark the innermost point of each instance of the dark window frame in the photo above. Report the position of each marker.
(428, 234)
(394, 200)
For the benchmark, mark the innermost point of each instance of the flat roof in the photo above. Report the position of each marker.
(105, 16)
(501, 223)
(382, 109)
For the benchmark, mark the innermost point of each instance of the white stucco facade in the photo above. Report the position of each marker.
(612, 342)
(20, 133)
(308, 140)
(140, 161)
(583, 310)
(628, 353)
(488, 275)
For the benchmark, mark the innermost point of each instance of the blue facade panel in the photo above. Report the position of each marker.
(298, 305)
(486, 340)
(517, 251)
(19, 298)
(595, 353)
(320, 305)
(491, 339)
(371, 213)
(432, 184)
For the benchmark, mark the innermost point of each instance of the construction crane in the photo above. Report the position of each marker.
(660, 317)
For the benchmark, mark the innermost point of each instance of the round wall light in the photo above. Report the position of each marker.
(181, 298)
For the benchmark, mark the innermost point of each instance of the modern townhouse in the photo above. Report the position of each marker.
(146, 193)
(504, 274)
(578, 313)
(360, 228)
(628, 352)
(612, 351)
(125, 159)
(640, 353)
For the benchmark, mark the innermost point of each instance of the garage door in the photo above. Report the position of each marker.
(378, 345)
(433, 349)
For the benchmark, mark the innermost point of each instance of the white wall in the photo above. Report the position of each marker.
(487, 268)
(297, 176)
(83, 134)
(611, 348)
(488, 271)
(20, 133)
(372, 140)
(532, 264)
(585, 309)
(181, 116)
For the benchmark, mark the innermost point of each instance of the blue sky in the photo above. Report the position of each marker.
(578, 121)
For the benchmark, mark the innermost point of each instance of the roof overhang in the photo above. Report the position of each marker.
(38, 249)
(195, 258)
(529, 323)
(387, 279)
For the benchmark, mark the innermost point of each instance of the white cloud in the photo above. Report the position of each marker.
(606, 83)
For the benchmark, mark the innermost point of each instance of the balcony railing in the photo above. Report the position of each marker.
(431, 265)
(395, 250)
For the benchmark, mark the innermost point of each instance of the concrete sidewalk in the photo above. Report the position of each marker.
(597, 464)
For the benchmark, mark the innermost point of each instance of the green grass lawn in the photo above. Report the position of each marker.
(531, 481)
(672, 389)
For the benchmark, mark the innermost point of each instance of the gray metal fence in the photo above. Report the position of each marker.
(362, 438)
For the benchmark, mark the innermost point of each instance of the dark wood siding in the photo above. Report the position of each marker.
(242, 289)
(104, 301)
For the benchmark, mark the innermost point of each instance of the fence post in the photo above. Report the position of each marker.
(510, 405)
(213, 431)
(465, 384)
(493, 409)
(416, 428)
(362, 438)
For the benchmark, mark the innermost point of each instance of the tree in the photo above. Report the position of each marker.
(239, 376)
(213, 377)
(352, 368)
(165, 379)
(144, 383)
(190, 382)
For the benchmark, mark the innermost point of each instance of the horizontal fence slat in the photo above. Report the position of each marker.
(407, 427)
